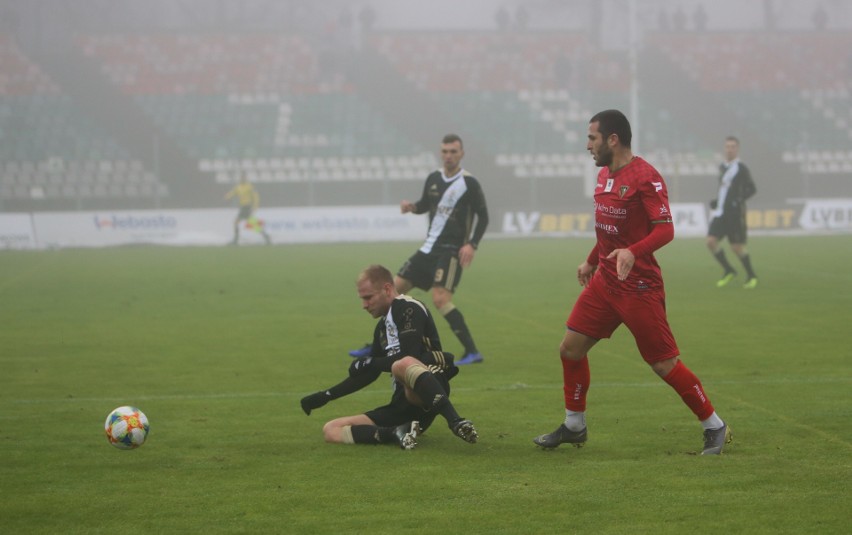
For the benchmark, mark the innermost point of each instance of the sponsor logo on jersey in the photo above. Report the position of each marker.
(614, 211)
(444, 210)
(609, 229)
(658, 186)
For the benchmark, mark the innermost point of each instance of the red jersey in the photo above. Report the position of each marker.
(630, 205)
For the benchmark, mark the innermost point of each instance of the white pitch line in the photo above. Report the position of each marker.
(383, 392)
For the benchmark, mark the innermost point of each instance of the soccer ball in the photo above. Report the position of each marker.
(126, 428)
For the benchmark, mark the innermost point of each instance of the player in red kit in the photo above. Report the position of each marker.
(623, 284)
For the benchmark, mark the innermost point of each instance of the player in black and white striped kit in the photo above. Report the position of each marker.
(458, 217)
(405, 344)
(729, 215)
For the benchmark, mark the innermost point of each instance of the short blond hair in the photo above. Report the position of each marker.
(377, 274)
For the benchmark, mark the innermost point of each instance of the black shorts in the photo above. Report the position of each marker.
(400, 410)
(244, 213)
(732, 225)
(438, 268)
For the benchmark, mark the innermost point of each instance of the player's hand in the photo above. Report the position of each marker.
(624, 261)
(585, 272)
(360, 366)
(315, 401)
(406, 206)
(466, 255)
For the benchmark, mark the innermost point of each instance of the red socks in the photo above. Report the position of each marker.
(576, 378)
(687, 385)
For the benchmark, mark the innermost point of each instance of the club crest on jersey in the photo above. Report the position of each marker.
(622, 190)
(439, 275)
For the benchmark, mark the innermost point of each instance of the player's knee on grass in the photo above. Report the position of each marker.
(337, 434)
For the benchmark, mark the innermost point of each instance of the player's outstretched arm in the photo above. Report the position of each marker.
(315, 401)
(353, 383)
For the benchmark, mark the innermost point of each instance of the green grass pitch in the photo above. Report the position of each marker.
(217, 345)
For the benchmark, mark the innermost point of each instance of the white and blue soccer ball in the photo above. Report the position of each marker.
(126, 428)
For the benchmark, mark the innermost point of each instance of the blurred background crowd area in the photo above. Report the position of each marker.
(129, 105)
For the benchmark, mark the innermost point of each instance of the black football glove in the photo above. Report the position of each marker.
(315, 401)
(360, 366)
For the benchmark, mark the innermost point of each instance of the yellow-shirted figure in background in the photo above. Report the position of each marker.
(249, 201)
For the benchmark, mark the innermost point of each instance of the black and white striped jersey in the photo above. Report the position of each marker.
(457, 210)
(408, 330)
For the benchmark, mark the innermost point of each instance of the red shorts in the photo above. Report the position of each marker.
(597, 313)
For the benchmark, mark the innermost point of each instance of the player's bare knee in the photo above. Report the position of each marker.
(335, 433)
(566, 351)
(398, 368)
(442, 299)
(443, 303)
(329, 432)
(413, 372)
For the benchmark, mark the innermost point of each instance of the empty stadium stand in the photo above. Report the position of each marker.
(52, 153)
(314, 122)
